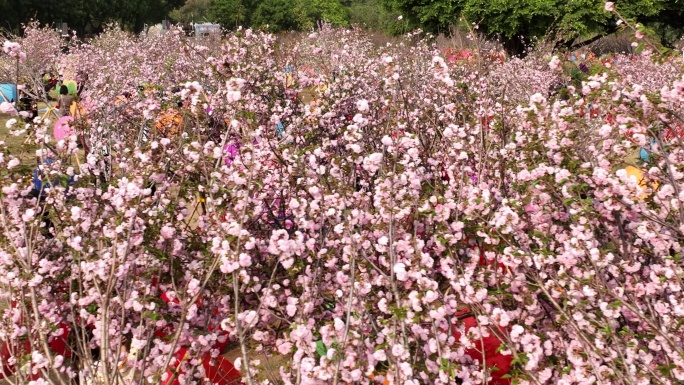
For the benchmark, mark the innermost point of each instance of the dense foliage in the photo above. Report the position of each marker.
(90, 16)
(518, 23)
(83, 16)
(421, 206)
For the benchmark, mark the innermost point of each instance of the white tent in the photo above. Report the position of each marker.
(206, 29)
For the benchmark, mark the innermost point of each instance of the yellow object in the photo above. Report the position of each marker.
(170, 123)
(641, 181)
(312, 111)
(76, 110)
(372, 376)
(121, 99)
(289, 81)
(50, 113)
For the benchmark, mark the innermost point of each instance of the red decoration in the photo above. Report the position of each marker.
(486, 350)
(14, 350)
(610, 119)
(222, 372)
(485, 121)
(445, 175)
(486, 262)
(59, 344)
(677, 132)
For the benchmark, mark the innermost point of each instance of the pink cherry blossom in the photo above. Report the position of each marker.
(422, 231)
(7, 108)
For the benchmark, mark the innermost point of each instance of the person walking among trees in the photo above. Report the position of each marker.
(64, 101)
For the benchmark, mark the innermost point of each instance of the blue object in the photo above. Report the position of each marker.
(644, 154)
(9, 93)
(280, 130)
(38, 183)
(288, 69)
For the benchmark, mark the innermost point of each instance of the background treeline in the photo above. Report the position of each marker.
(281, 15)
(86, 16)
(515, 23)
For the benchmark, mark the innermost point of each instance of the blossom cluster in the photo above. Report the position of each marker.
(13, 49)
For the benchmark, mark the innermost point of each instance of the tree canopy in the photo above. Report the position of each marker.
(515, 22)
(518, 21)
(85, 16)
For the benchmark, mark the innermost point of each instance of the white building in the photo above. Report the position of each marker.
(206, 29)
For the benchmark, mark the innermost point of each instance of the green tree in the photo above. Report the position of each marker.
(229, 13)
(517, 22)
(279, 15)
(371, 14)
(665, 17)
(139, 13)
(11, 15)
(81, 15)
(331, 11)
(192, 11)
(282, 15)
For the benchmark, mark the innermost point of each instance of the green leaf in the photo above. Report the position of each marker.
(321, 349)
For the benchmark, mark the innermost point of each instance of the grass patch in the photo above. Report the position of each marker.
(26, 152)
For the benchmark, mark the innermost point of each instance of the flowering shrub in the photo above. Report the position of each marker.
(411, 225)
